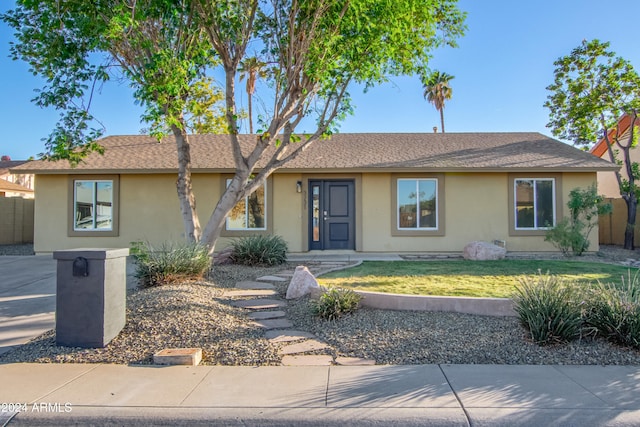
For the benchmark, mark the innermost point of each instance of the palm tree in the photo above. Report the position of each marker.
(437, 90)
(251, 68)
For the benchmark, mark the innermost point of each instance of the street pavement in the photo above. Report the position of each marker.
(381, 395)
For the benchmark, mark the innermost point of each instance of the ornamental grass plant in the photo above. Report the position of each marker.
(259, 250)
(169, 262)
(335, 303)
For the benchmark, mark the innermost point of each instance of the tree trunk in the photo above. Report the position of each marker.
(183, 185)
(442, 118)
(250, 114)
(629, 232)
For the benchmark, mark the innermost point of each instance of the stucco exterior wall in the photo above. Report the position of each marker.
(607, 182)
(476, 207)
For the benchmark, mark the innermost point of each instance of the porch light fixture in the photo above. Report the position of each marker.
(299, 187)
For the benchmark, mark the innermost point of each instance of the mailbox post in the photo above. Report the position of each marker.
(91, 286)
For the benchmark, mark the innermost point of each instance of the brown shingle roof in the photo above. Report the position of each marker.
(5, 165)
(347, 152)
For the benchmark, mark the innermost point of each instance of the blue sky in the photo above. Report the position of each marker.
(501, 70)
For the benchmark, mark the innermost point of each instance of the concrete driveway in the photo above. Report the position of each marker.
(27, 298)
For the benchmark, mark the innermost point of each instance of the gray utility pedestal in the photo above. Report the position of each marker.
(90, 296)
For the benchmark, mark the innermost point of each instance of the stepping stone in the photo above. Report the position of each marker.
(254, 285)
(287, 335)
(354, 361)
(285, 274)
(307, 360)
(274, 323)
(304, 347)
(250, 293)
(272, 279)
(259, 304)
(263, 315)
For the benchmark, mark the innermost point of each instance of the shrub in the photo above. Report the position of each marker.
(614, 310)
(548, 308)
(170, 262)
(259, 250)
(336, 302)
(572, 233)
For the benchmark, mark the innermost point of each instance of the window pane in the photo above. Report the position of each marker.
(427, 192)
(524, 204)
(544, 203)
(104, 205)
(237, 219)
(316, 213)
(83, 205)
(256, 208)
(407, 204)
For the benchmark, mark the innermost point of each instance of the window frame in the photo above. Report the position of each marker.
(114, 231)
(242, 232)
(439, 229)
(556, 180)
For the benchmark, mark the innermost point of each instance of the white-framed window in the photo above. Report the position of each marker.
(417, 204)
(249, 213)
(535, 203)
(93, 205)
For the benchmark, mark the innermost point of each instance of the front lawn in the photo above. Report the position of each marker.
(463, 278)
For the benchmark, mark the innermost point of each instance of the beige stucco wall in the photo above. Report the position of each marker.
(607, 181)
(475, 208)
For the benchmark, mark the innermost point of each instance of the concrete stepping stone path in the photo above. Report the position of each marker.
(274, 323)
(249, 293)
(304, 347)
(288, 335)
(354, 361)
(260, 304)
(264, 315)
(272, 279)
(254, 285)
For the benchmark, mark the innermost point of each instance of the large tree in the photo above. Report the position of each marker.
(592, 90)
(437, 91)
(251, 68)
(315, 48)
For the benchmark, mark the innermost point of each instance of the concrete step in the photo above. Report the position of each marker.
(249, 293)
(274, 323)
(304, 347)
(247, 284)
(354, 361)
(260, 304)
(288, 335)
(264, 315)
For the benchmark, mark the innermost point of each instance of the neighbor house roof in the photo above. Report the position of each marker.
(5, 165)
(624, 123)
(16, 188)
(345, 152)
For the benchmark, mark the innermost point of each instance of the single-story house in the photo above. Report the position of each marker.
(14, 185)
(364, 192)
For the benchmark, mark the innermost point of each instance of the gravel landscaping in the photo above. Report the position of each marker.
(195, 315)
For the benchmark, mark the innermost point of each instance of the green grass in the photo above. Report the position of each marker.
(463, 278)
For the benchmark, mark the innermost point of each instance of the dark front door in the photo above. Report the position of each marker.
(332, 214)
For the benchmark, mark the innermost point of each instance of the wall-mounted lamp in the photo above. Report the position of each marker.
(299, 187)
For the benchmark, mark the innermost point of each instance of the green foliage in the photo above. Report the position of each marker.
(548, 308)
(614, 310)
(572, 234)
(259, 250)
(169, 262)
(335, 303)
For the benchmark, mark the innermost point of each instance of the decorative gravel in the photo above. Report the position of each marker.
(194, 315)
(23, 249)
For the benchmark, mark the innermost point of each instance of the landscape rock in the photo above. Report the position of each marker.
(223, 257)
(302, 283)
(483, 251)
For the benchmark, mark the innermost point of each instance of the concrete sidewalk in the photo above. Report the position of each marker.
(425, 395)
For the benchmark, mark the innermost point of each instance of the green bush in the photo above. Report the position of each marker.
(548, 308)
(259, 250)
(336, 302)
(614, 310)
(169, 262)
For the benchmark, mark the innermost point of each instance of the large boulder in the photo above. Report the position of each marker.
(302, 283)
(483, 251)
